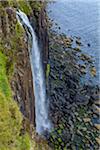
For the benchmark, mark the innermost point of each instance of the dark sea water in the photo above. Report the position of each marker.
(79, 18)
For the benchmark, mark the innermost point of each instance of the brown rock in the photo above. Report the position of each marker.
(97, 126)
(93, 71)
(98, 140)
(86, 119)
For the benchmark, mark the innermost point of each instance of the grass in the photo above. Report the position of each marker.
(10, 116)
(4, 85)
(24, 6)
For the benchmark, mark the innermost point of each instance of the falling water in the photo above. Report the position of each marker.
(42, 121)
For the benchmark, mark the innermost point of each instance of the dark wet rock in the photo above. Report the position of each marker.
(96, 120)
(85, 57)
(77, 49)
(82, 99)
(97, 101)
(88, 44)
(83, 66)
(78, 42)
(83, 70)
(96, 109)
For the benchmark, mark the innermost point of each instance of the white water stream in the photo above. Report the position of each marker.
(41, 112)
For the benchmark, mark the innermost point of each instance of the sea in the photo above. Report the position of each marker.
(79, 18)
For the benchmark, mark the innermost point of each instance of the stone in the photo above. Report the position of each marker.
(77, 49)
(85, 57)
(96, 109)
(94, 115)
(79, 132)
(93, 71)
(76, 113)
(98, 140)
(78, 42)
(86, 120)
(82, 99)
(83, 66)
(97, 126)
(79, 119)
(83, 71)
(97, 102)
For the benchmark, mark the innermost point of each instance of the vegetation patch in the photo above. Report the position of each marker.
(11, 118)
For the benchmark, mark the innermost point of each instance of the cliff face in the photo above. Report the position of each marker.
(43, 35)
(14, 45)
(11, 43)
(39, 22)
(22, 81)
(16, 82)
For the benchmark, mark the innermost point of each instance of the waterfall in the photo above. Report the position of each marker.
(41, 103)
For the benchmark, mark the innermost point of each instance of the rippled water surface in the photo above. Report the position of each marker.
(79, 18)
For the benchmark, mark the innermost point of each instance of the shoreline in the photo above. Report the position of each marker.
(68, 97)
(70, 22)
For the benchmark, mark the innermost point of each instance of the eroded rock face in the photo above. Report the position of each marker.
(22, 84)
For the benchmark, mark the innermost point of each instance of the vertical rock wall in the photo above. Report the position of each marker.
(40, 25)
(15, 47)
